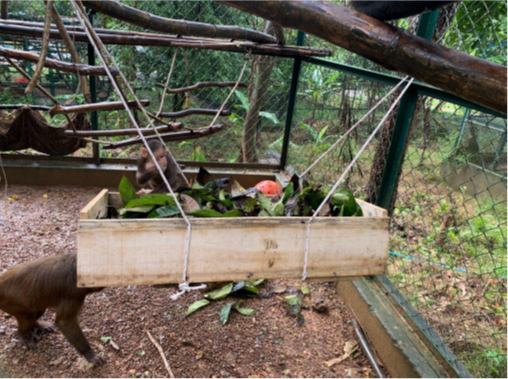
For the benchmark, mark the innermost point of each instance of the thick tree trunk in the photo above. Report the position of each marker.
(471, 78)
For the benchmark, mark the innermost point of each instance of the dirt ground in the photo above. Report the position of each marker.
(42, 221)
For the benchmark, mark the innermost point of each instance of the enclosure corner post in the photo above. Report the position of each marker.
(291, 102)
(93, 92)
(400, 136)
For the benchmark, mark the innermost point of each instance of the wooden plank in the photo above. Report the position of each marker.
(97, 208)
(140, 252)
(370, 210)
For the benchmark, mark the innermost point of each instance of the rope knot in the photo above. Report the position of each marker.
(185, 287)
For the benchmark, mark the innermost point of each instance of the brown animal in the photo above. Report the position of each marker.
(28, 289)
(147, 171)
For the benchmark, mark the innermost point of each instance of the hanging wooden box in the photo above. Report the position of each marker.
(120, 252)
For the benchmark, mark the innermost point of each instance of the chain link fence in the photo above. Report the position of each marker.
(147, 67)
(448, 230)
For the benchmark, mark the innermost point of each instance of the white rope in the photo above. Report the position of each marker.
(95, 41)
(353, 127)
(103, 50)
(334, 188)
(167, 83)
(230, 93)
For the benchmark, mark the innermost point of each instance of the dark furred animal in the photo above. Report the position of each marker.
(147, 172)
(28, 289)
(393, 10)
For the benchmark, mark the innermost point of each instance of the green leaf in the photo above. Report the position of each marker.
(105, 339)
(140, 209)
(197, 155)
(315, 199)
(278, 210)
(251, 291)
(292, 299)
(322, 132)
(346, 202)
(233, 213)
(220, 293)
(127, 190)
(222, 195)
(227, 203)
(244, 311)
(264, 202)
(317, 77)
(166, 211)
(254, 283)
(294, 308)
(305, 290)
(243, 99)
(205, 213)
(339, 198)
(249, 205)
(288, 192)
(151, 199)
(264, 213)
(271, 116)
(196, 305)
(312, 131)
(224, 313)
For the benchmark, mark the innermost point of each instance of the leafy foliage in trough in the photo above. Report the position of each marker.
(210, 198)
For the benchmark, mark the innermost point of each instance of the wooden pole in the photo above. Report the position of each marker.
(180, 27)
(110, 105)
(81, 69)
(200, 85)
(191, 111)
(180, 136)
(3, 11)
(147, 39)
(123, 132)
(471, 78)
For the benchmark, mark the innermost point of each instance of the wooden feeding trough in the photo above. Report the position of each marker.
(120, 252)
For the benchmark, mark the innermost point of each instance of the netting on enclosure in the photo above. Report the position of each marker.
(146, 67)
(481, 141)
(449, 208)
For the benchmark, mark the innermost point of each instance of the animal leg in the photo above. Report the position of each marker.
(67, 322)
(26, 322)
(43, 326)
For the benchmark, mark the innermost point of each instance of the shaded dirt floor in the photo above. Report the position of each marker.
(42, 221)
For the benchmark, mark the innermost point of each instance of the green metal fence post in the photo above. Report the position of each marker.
(300, 41)
(93, 92)
(407, 106)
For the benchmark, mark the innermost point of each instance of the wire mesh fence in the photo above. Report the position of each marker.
(448, 239)
(245, 137)
(448, 230)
